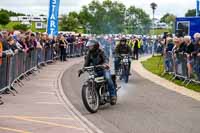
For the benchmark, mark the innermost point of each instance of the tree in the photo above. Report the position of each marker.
(168, 18)
(4, 18)
(190, 13)
(10, 13)
(85, 18)
(138, 21)
(106, 17)
(70, 22)
(22, 27)
(103, 17)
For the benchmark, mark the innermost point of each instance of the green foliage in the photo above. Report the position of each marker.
(22, 27)
(10, 13)
(32, 28)
(106, 17)
(4, 18)
(168, 18)
(70, 22)
(190, 13)
(9, 26)
(159, 31)
(138, 21)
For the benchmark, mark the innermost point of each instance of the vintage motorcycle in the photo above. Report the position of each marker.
(95, 90)
(124, 67)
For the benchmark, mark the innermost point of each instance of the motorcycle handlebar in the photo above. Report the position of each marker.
(123, 55)
(93, 67)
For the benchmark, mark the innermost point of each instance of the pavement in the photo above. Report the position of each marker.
(39, 106)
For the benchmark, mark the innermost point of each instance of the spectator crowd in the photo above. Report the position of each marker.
(183, 51)
(12, 43)
(47, 47)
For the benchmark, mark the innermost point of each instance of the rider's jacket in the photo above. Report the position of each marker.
(94, 58)
(122, 49)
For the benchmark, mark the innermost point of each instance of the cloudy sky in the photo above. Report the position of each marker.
(177, 7)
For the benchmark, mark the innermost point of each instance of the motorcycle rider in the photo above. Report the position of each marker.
(95, 57)
(122, 48)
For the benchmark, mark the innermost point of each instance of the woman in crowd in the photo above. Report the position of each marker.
(12, 45)
(178, 45)
(24, 44)
(189, 49)
(63, 46)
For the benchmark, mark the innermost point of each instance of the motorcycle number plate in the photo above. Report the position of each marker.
(125, 60)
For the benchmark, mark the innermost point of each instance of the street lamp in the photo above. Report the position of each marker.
(88, 28)
(153, 7)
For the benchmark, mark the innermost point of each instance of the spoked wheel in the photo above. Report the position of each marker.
(120, 73)
(125, 74)
(90, 98)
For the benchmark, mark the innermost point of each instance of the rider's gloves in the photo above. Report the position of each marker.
(106, 66)
(80, 72)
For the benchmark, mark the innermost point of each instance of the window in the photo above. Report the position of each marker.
(183, 28)
(39, 24)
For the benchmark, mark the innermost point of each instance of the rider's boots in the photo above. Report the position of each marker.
(113, 100)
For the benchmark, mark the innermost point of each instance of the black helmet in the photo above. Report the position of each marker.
(123, 39)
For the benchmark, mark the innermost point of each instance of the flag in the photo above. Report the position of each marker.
(52, 26)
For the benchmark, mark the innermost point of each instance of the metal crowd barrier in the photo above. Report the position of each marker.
(176, 64)
(47, 55)
(181, 66)
(41, 56)
(196, 70)
(16, 67)
(4, 70)
(56, 52)
(169, 63)
(13, 68)
(75, 50)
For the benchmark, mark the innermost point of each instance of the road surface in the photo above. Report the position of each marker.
(143, 107)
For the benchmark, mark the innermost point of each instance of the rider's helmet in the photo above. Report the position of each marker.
(123, 40)
(92, 44)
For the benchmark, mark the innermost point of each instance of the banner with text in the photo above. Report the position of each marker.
(52, 26)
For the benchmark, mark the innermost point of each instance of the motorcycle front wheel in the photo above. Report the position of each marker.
(90, 97)
(126, 73)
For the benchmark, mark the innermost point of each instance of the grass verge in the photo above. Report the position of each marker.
(155, 65)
